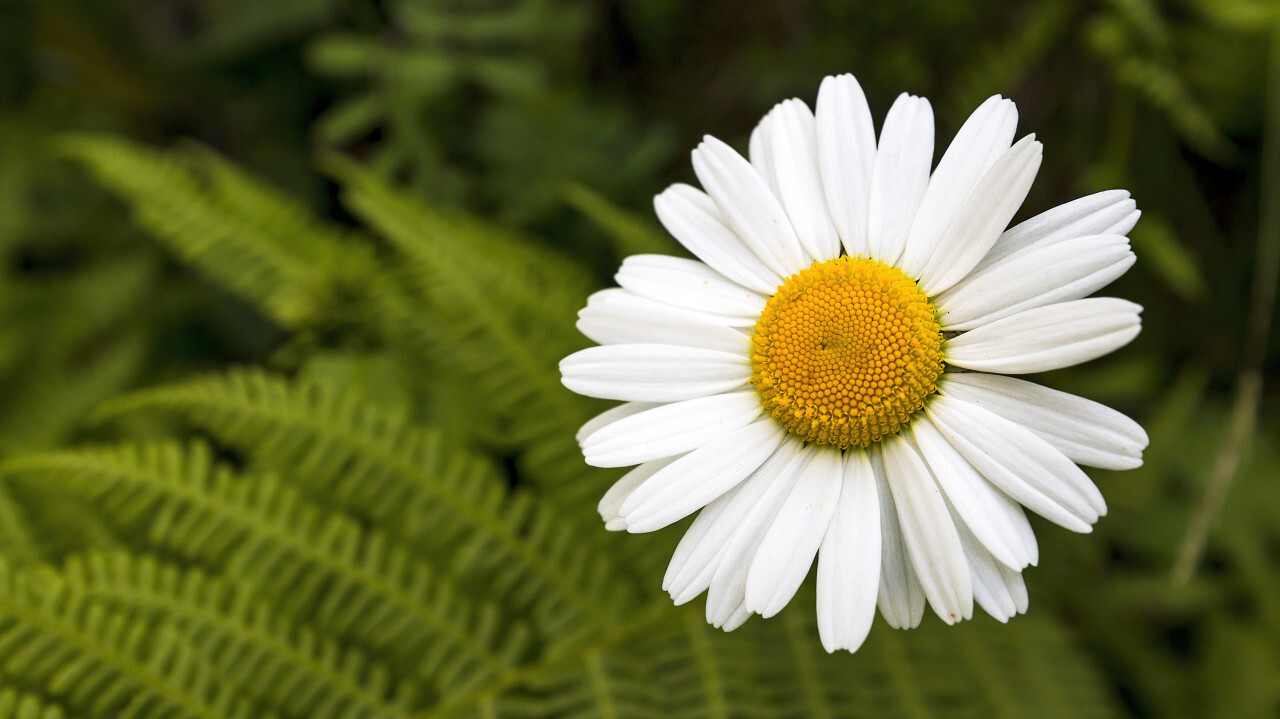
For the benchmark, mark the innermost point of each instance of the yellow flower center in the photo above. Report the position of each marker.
(846, 352)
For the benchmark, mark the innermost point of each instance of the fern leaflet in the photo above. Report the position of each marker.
(309, 561)
(506, 322)
(294, 669)
(25, 706)
(103, 661)
(403, 477)
(244, 234)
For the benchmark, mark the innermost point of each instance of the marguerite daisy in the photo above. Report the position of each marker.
(829, 380)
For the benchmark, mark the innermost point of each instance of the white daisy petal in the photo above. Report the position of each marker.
(1046, 338)
(737, 618)
(689, 483)
(1019, 463)
(760, 150)
(789, 547)
(726, 597)
(928, 532)
(611, 415)
(849, 560)
(1103, 213)
(1058, 272)
(749, 206)
(846, 155)
(983, 216)
(695, 555)
(621, 489)
(899, 175)
(1087, 432)
(901, 598)
(998, 589)
(617, 316)
(653, 373)
(990, 514)
(703, 547)
(690, 285)
(983, 138)
(797, 182)
(694, 220)
(669, 429)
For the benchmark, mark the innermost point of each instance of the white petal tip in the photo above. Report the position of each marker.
(683, 597)
(644, 525)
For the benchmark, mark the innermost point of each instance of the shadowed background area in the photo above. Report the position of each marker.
(286, 285)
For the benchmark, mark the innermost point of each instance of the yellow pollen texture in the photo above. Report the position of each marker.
(846, 352)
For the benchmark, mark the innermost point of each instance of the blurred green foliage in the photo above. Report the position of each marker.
(286, 285)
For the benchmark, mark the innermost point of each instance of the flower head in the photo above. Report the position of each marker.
(829, 379)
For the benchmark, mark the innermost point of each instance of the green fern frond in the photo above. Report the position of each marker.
(242, 233)
(391, 473)
(17, 544)
(1136, 41)
(25, 706)
(506, 308)
(1166, 90)
(292, 669)
(104, 662)
(431, 52)
(310, 562)
(1006, 65)
(670, 663)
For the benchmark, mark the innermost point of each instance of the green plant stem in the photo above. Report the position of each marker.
(1244, 413)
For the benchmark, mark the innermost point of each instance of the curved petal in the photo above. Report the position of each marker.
(992, 517)
(793, 136)
(791, 543)
(611, 415)
(1019, 463)
(846, 156)
(760, 150)
(616, 316)
(612, 500)
(983, 216)
(1087, 432)
(653, 373)
(849, 560)
(689, 483)
(1104, 213)
(701, 549)
(900, 599)
(899, 176)
(693, 555)
(690, 285)
(928, 532)
(983, 138)
(749, 206)
(726, 597)
(1046, 338)
(999, 590)
(1058, 272)
(670, 429)
(694, 220)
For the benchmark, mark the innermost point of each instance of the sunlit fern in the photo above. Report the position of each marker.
(388, 472)
(14, 705)
(356, 584)
(242, 233)
(103, 662)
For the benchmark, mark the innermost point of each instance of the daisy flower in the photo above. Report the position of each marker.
(829, 379)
